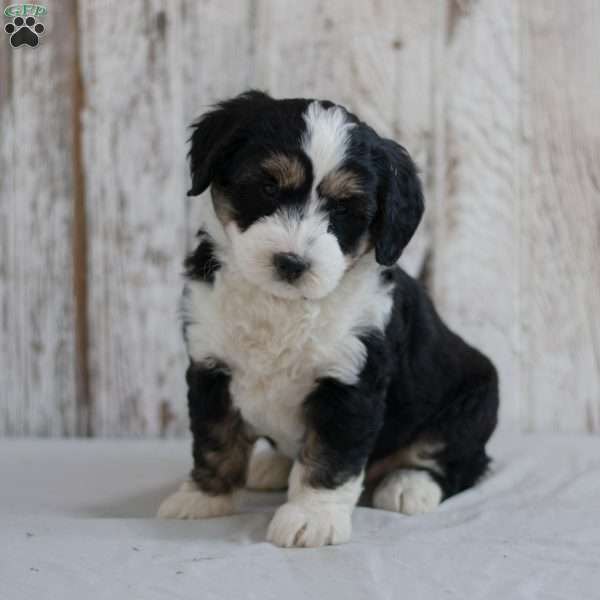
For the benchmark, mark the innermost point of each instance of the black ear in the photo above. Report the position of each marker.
(214, 132)
(400, 202)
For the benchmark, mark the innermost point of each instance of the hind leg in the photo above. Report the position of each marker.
(447, 457)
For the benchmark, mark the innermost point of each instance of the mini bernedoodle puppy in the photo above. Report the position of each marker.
(301, 329)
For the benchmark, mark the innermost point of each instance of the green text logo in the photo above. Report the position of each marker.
(24, 10)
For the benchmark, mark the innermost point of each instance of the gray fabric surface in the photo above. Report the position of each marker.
(76, 522)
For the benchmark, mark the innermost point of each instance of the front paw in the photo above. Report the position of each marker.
(296, 525)
(191, 503)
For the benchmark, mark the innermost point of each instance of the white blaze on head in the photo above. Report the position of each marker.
(326, 138)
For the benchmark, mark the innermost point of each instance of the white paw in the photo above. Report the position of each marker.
(299, 526)
(268, 470)
(190, 503)
(408, 491)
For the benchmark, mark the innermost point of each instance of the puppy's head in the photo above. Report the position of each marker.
(303, 189)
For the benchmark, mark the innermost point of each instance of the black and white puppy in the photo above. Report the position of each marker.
(301, 329)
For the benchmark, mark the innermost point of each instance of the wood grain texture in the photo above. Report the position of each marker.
(37, 325)
(476, 264)
(133, 156)
(560, 215)
(376, 58)
(518, 224)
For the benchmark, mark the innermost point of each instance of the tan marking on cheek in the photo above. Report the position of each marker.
(340, 184)
(287, 170)
(222, 206)
(365, 245)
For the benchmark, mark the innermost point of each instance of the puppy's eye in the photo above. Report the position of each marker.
(341, 210)
(270, 189)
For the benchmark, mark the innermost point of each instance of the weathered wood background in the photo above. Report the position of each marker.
(499, 102)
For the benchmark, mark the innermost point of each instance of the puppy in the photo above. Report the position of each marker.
(301, 328)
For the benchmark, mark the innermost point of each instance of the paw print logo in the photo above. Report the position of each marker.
(24, 31)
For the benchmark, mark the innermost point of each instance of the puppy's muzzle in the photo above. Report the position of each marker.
(289, 266)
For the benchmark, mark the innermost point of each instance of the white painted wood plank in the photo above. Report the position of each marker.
(376, 58)
(133, 157)
(476, 264)
(518, 227)
(560, 214)
(218, 63)
(37, 325)
(176, 64)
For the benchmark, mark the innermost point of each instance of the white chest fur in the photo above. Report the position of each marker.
(277, 348)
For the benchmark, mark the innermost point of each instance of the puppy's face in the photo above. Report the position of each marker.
(303, 189)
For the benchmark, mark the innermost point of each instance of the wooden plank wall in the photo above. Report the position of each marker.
(499, 102)
(38, 359)
(517, 241)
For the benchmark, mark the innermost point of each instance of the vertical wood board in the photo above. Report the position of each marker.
(37, 324)
(476, 266)
(135, 214)
(560, 215)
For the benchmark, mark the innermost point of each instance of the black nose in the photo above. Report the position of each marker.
(289, 266)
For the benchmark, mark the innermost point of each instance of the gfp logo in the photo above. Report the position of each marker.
(24, 10)
(25, 28)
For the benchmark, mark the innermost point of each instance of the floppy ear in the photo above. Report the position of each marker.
(214, 132)
(400, 203)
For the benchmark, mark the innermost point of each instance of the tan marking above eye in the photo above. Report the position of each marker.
(287, 171)
(340, 184)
